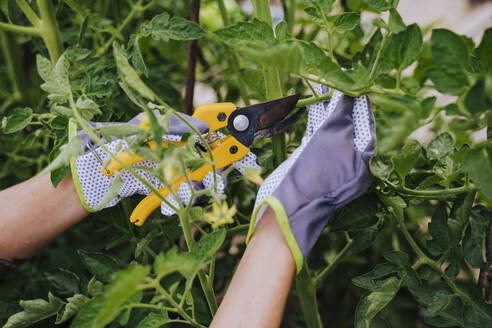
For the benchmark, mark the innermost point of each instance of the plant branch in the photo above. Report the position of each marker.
(378, 55)
(31, 16)
(49, 30)
(306, 291)
(431, 193)
(20, 29)
(333, 264)
(13, 58)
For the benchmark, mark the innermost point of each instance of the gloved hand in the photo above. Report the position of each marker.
(92, 185)
(328, 170)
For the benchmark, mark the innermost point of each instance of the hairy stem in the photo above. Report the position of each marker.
(49, 30)
(272, 81)
(12, 56)
(306, 289)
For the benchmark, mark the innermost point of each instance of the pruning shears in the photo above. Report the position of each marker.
(245, 124)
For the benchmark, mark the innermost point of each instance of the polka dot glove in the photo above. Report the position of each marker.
(92, 185)
(328, 170)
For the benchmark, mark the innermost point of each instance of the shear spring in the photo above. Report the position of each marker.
(96, 155)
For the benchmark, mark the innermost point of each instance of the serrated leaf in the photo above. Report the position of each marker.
(160, 27)
(99, 264)
(474, 240)
(440, 146)
(407, 158)
(34, 311)
(381, 167)
(112, 193)
(284, 56)
(346, 21)
(87, 108)
(208, 245)
(136, 55)
(70, 309)
(478, 163)
(372, 303)
(64, 280)
(173, 261)
(95, 287)
(398, 258)
(129, 75)
(154, 320)
(18, 120)
(438, 229)
(373, 279)
(73, 149)
(243, 32)
(475, 99)
(395, 22)
(383, 5)
(281, 31)
(404, 47)
(358, 215)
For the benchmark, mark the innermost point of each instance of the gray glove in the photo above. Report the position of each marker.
(328, 170)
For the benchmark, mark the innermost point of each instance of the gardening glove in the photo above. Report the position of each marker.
(328, 170)
(92, 185)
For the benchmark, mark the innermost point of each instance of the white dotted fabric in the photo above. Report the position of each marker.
(318, 114)
(95, 184)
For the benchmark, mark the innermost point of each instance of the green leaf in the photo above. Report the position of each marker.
(478, 164)
(99, 264)
(373, 279)
(124, 285)
(119, 130)
(112, 193)
(476, 316)
(172, 261)
(405, 47)
(475, 99)
(373, 302)
(474, 240)
(34, 311)
(382, 5)
(136, 55)
(485, 49)
(254, 79)
(282, 31)
(154, 320)
(164, 29)
(59, 174)
(438, 229)
(64, 280)
(95, 287)
(208, 245)
(452, 59)
(85, 318)
(407, 158)
(381, 167)
(18, 120)
(319, 10)
(397, 257)
(284, 56)
(346, 21)
(129, 75)
(57, 83)
(440, 146)
(440, 301)
(241, 32)
(358, 215)
(70, 309)
(87, 108)
(73, 149)
(395, 22)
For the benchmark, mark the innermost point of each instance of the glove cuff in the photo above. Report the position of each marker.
(72, 132)
(282, 219)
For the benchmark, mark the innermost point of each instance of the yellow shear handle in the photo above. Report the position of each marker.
(229, 151)
(128, 158)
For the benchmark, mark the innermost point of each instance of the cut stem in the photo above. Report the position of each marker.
(306, 290)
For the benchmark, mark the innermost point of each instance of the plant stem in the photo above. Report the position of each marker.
(20, 29)
(378, 55)
(333, 264)
(314, 100)
(171, 300)
(431, 193)
(306, 290)
(207, 288)
(49, 30)
(272, 81)
(31, 16)
(234, 55)
(11, 52)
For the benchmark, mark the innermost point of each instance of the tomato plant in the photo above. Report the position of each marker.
(406, 252)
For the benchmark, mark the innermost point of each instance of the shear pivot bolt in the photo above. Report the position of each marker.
(221, 117)
(240, 123)
(233, 149)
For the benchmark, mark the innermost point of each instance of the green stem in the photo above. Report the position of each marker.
(314, 100)
(291, 15)
(133, 11)
(11, 52)
(306, 290)
(31, 16)
(431, 193)
(333, 264)
(234, 55)
(171, 301)
(272, 81)
(378, 55)
(49, 30)
(20, 29)
(204, 282)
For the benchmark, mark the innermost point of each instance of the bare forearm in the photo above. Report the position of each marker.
(34, 212)
(258, 291)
